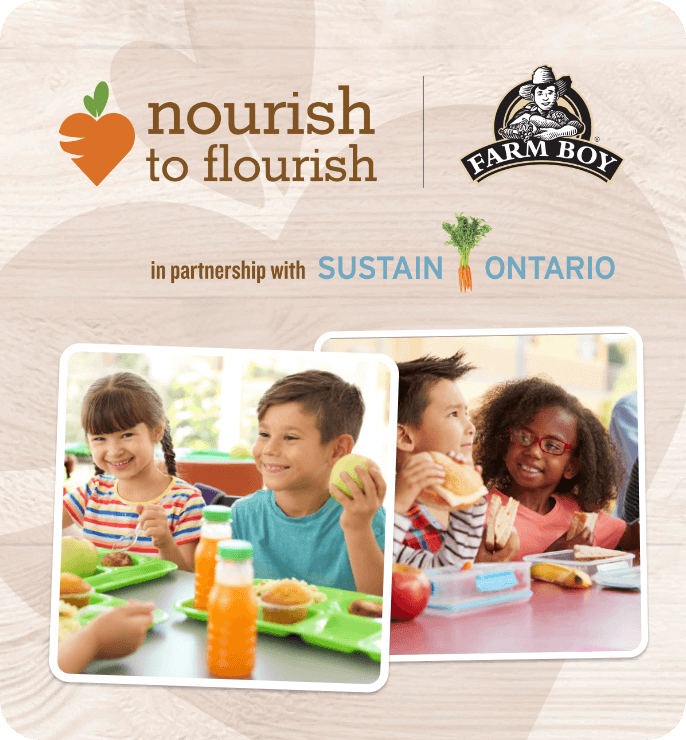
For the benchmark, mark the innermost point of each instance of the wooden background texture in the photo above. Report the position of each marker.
(74, 267)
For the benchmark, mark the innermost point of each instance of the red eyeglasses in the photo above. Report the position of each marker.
(550, 445)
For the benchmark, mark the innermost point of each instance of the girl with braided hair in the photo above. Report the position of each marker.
(539, 445)
(123, 418)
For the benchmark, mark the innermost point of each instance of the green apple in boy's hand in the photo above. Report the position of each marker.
(79, 557)
(346, 464)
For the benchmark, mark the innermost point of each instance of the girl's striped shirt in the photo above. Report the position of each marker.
(105, 516)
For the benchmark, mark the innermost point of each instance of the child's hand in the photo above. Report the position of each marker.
(154, 524)
(585, 537)
(112, 634)
(419, 473)
(504, 555)
(359, 510)
(120, 631)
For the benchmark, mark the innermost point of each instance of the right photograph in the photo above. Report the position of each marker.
(519, 496)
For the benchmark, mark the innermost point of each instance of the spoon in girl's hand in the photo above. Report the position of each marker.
(128, 540)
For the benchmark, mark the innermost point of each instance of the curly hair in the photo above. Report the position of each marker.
(417, 377)
(511, 404)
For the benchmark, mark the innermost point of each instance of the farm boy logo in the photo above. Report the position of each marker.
(531, 126)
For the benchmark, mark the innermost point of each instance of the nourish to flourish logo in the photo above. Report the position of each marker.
(542, 121)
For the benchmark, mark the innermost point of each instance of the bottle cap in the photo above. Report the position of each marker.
(215, 513)
(234, 550)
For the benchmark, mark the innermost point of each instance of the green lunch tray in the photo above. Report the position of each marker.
(328, 624)
(144, 568)
(102, 602)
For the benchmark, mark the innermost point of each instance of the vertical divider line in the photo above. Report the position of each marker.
(422, 130)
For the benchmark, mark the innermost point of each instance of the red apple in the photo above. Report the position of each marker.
(410, 592)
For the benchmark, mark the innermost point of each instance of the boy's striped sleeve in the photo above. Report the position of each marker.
(460, 544)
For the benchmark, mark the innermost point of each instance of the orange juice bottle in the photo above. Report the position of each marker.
(216, 526)
(232, 613)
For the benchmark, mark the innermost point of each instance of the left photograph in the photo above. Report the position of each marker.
(220, 518)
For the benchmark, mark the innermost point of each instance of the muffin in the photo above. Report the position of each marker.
(285, 603)
(116, 559)
(74, 590)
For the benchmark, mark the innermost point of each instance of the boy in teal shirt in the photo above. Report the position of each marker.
(301, 527)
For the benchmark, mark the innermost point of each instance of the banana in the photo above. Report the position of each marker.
(561, 574)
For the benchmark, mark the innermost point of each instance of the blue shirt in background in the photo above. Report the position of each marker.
(624, 433)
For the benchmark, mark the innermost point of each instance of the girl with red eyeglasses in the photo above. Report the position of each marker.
(539, 445)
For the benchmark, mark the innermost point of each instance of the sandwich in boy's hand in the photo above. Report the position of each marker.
(500, 522)
(462, 487)
(581, 520)
(587, 552)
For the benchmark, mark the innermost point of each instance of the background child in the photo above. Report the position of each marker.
(433, 417)
(539, 445)
(298, 526)
(123, 419)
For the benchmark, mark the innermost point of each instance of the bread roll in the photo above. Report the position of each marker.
(462, 487)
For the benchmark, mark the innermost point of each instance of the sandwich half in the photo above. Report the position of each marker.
(581, 520)
(588, 552)
(500, 522)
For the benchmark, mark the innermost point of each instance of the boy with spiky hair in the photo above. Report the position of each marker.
(299, 525)
(433, 417)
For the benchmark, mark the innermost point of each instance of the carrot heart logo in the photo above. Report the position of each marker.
(99, 143)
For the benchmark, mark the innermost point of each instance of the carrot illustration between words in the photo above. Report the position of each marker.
(465, 235)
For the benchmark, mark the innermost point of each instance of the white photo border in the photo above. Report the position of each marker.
(567, 331)
(345, 358)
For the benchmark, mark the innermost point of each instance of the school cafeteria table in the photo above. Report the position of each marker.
(176, 648)
(553, 620)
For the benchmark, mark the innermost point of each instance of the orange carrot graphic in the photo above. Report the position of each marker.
(465, 235)
(99, 144)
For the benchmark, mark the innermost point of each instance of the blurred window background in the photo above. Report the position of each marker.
(597, 368)
(211, 401)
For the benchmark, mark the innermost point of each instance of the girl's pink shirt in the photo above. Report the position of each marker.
(538, 531)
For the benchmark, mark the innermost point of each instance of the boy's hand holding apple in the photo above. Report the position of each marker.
(364, 498)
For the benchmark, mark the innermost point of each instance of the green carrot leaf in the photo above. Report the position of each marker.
(96, 105)
(465, 234)
(102, 94)
(90, 106)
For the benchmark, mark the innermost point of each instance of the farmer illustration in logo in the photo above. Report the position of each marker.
(543, 118)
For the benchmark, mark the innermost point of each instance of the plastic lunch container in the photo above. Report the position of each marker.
(455, 591)
(566, 557)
